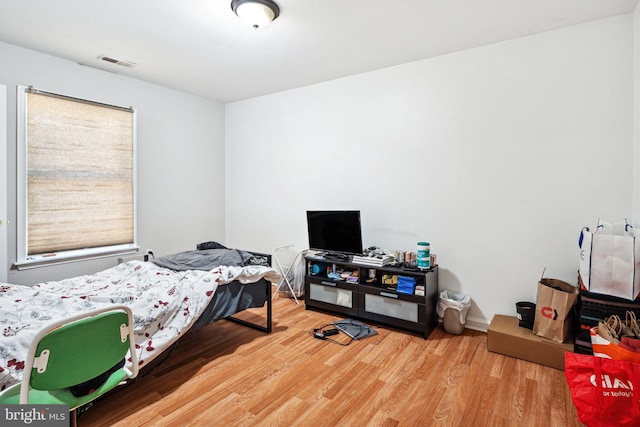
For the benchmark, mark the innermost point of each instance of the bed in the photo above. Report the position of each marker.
(169, 296)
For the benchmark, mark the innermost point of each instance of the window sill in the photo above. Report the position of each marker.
(44, 260)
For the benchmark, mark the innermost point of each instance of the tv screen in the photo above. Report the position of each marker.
(335, 231)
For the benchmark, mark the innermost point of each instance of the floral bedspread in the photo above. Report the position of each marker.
(165, 303)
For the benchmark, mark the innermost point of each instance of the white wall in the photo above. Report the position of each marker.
(180, 155)
(636, 116)
(3, 182)
(497, 155)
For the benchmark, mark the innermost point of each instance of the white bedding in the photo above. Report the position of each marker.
(165, 303)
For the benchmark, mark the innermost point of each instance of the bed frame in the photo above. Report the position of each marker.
(263, 284)
(235, 297)
(269, 302)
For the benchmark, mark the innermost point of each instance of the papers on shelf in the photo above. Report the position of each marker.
(374, 261)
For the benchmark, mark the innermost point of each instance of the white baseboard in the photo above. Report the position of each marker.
(481, 325)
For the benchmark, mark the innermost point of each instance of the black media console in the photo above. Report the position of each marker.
(369, 293)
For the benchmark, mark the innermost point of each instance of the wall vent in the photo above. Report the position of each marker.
(127, 64)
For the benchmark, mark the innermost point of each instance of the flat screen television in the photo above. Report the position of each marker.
(335, 232)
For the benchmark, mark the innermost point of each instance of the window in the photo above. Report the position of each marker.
(76, 183)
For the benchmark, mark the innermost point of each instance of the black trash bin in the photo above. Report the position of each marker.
(526, 314)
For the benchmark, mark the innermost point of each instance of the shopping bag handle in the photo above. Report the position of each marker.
(582, 235)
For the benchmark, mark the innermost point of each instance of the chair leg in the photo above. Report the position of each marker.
(278, 287)
(280, 284)
(285, 279)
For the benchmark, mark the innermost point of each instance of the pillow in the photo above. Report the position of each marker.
(210, 245)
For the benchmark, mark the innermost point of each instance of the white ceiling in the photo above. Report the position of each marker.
(200, 47)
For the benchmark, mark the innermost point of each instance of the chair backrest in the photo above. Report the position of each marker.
(78, 349)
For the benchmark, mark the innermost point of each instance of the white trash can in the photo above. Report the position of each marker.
(452, 308)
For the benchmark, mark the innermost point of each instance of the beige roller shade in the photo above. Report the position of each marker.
(80, 174)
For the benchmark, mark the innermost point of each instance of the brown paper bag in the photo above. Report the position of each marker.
(554, 303)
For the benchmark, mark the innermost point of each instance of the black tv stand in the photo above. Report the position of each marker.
(371, 293)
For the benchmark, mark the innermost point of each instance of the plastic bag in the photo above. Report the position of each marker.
(610, 260)
(456, 300)
(604, 391)
(296, 279)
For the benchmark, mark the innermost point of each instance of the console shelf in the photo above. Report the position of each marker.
(369, 293)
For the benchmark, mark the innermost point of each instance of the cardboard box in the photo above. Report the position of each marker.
(506, 337)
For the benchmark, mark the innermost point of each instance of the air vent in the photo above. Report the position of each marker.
(123, 63)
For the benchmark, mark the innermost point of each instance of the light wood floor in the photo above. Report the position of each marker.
(228, 375)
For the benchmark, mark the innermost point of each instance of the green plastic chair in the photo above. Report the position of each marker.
(73, 351)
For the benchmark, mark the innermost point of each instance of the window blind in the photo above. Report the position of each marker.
(80, 174)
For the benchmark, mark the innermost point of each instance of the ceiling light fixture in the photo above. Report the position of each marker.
(255, 13)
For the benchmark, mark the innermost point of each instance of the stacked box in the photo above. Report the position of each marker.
(594, 308)
(506, 337)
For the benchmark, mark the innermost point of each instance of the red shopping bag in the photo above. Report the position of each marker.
(606, 392)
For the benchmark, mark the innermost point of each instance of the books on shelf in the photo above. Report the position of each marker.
(374, 261)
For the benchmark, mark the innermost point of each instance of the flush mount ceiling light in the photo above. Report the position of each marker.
(255, 13)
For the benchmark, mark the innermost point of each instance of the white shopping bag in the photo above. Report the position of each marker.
(608, 261)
